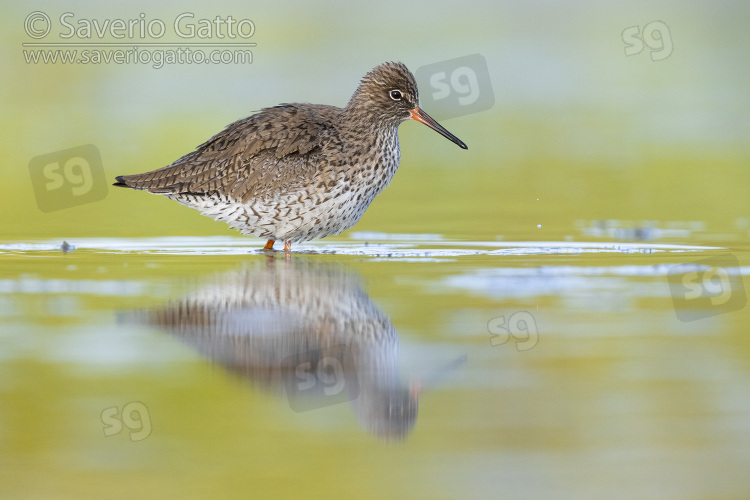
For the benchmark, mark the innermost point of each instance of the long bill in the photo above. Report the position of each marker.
(422, 117)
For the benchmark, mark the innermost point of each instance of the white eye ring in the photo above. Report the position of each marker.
(395, 95)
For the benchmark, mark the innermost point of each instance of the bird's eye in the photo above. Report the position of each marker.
(396, 95)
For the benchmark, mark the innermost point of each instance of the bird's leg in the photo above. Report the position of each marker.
(288, 246)
(269, 245)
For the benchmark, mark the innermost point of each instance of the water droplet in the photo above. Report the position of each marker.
(539, 226)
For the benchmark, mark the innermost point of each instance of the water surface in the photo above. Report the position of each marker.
(386, 365)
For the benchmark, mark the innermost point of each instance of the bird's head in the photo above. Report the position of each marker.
(388, 95)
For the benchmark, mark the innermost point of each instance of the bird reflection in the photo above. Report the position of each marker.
(306, 330)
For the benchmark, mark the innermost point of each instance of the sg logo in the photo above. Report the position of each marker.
(521, 326)
(134, 416)
(321, 378)
(463, 81)
(707, 288)
(456, 87)
(655, 36)
(68, 178)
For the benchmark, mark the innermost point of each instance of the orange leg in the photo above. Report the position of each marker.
(269, 245)
(288, 246)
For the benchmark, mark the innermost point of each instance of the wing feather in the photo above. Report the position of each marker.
(252, 157)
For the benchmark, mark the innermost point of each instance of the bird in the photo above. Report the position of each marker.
(298, 171)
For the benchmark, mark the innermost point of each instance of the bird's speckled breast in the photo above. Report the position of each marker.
(335, 200)
(340, 204)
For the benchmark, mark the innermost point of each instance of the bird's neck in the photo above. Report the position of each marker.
(362, 131)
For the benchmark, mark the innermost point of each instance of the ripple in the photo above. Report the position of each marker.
(390, 246)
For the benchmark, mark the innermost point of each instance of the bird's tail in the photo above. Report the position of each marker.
(121, 182)
(153, 183)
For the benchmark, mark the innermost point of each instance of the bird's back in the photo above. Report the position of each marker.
(273, 150)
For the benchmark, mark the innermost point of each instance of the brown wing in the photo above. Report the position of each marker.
(275, 148)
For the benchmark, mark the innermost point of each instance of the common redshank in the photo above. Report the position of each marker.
(295, 172)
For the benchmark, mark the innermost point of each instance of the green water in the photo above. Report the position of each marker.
(603, 387)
